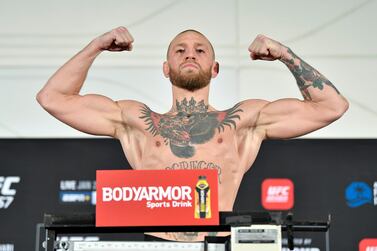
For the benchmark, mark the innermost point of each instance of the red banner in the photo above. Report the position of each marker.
(157, 197)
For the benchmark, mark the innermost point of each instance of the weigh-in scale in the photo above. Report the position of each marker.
(263, 235)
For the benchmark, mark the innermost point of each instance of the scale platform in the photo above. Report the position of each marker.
(255, 229)
(138, 246)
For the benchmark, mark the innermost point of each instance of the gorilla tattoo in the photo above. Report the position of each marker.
(193, 124)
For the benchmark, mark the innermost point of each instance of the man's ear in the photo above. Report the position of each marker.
(215, 69)
(166, 69)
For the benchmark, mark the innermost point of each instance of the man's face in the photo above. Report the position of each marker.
(190, 61)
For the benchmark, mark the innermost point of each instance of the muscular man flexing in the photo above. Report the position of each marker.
(192, 134)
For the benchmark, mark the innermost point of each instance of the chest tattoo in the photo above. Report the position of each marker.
(192, 124)
(195, 164)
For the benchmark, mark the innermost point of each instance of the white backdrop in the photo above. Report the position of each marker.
(338, 37)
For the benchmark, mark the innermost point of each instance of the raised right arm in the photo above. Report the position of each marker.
(91, 113)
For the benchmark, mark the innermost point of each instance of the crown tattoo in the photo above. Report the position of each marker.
(191, 106)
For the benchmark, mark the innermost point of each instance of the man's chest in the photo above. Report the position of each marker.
(221, 146)
(219, 154)
(190, 128)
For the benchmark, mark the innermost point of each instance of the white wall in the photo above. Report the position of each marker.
(338, 37)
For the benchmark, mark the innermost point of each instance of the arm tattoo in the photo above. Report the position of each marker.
(193, 124)
(306, 76)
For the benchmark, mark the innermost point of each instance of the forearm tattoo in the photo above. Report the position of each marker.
(306, 76)
(193, 124)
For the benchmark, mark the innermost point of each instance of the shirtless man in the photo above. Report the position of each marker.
(193, 133)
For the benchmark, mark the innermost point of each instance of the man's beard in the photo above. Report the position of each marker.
(190, 81)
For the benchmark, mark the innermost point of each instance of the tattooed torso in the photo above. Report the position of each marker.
(193, 137)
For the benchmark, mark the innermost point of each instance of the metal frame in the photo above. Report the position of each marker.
(85, 223)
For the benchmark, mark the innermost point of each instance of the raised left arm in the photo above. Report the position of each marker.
(287, 118)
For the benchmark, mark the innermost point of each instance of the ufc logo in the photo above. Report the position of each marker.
(6, 192)
(278, 190)
(277, 194)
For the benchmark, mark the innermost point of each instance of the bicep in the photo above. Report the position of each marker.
(289, 118)
(93, 114)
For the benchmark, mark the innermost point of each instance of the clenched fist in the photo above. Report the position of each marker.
(266, 49)
(118, 39)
